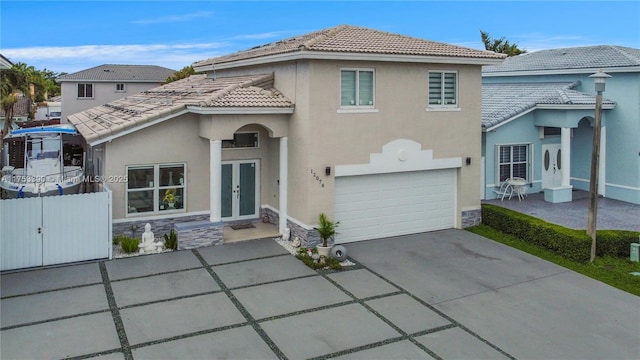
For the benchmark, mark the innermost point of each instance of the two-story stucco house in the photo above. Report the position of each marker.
(102, 84)
(379, 131)
(538, 115)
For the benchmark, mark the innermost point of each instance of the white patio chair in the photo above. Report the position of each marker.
(504, 190)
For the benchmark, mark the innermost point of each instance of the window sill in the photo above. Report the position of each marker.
(357, 110)
(433, 108)
(155, 214)
(84, 98)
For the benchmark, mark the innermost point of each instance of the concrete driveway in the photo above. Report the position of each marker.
(448, 294)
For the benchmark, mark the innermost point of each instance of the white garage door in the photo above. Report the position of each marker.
(381, 205)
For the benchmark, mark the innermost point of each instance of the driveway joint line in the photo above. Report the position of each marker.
(93, 355)
(186, 336)
(51, 290)
(156, 274)
(247, 260)
(499, 288)
(437, 311)
(405, 335)
(115, 313)
(169, 299)
(272, 282)
(10, 327)
(251, 321)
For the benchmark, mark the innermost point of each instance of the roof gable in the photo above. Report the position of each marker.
(502, 102)
(124, 73)
(356, 40)
(587, 57)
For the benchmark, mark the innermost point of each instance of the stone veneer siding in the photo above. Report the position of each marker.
(159, 227)
(195, 234)
(308, 238)
(471, 218)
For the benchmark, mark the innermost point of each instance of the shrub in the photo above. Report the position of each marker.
(331, 263)
(171, 240)
(129, 244)
(569, 243)
(117, 239)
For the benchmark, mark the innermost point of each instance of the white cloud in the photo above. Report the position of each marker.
(74, 58)
(173, 18)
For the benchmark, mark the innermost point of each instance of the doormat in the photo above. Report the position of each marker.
(242, 226)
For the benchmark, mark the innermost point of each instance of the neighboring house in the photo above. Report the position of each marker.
(5, 63)
(538, 114)
(102, 84)
(377, 130)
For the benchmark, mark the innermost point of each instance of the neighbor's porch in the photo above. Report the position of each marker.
(612, 214)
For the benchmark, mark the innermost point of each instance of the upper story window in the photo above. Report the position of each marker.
(443, 89)
(120, 87)
(85, 91)
(245, 140)
(357, 88)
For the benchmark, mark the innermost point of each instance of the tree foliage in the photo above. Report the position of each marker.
(183, 73)
(501, 45)
(22, 80)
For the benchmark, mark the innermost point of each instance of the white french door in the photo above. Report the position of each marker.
(240, 189)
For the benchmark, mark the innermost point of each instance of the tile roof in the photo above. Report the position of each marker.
(587, 57)
(124, 73)
(501, 102)
(250, 91)
(352, 39)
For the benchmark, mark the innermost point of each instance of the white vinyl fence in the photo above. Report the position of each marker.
(55, 230)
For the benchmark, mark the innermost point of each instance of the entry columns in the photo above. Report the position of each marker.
(284, 158)
(215, 180)
(565, 146)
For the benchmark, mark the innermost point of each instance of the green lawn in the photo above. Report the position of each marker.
(609, 270)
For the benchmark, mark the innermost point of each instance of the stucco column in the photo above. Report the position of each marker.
(603, 160)
(215, 180)
(284, 158)
(565, 146)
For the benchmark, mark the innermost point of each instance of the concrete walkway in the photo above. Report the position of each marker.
(448, 294)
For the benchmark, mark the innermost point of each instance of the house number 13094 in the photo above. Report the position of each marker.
(317, 177)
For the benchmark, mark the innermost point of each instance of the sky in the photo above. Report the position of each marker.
(69, 36)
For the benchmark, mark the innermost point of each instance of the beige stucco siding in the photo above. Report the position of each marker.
(177, 141)
(103, 93)
(401, 104)
(172, 141)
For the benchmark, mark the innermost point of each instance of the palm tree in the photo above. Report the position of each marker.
(12, 82)
(500, 45)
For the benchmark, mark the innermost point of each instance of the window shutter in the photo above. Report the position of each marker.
(435, 88)
(348, 88)
(366, 88)
(496, 166)
(450, 88)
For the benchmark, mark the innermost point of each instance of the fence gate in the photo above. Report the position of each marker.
(54, 230)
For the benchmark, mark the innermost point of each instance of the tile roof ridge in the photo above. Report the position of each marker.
(622, 51)
(323, 34)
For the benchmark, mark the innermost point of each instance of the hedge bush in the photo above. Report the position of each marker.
(569, 243)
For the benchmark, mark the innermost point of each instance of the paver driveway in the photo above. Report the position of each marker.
(448, 294)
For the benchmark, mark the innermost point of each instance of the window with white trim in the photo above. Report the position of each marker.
(242, 140)
(156, 188)
(443, 89)
(513, 161)
(85, 91)
(120, 87)
(357, 88)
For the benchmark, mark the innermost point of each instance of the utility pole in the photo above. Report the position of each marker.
(599, 79)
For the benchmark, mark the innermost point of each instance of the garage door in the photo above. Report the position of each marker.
(382, 205)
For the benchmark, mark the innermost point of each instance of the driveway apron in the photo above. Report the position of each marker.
(442, 295)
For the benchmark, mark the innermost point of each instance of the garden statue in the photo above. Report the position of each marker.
(148, 244)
